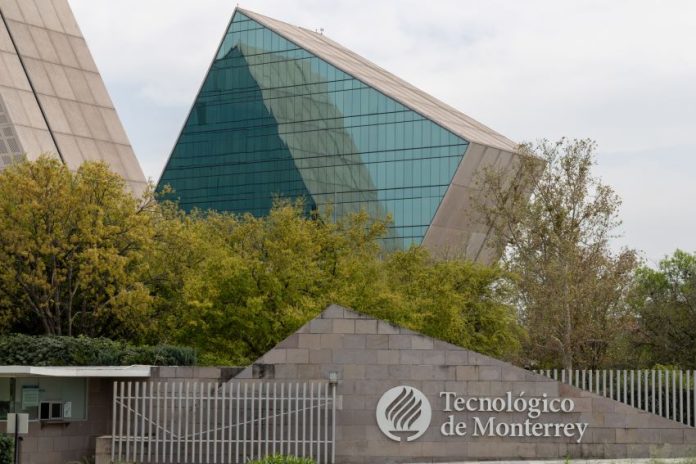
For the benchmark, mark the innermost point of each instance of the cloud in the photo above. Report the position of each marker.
(620, 72)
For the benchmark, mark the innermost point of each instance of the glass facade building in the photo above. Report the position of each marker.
(281, 114)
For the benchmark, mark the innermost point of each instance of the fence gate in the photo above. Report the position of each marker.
(233, 422)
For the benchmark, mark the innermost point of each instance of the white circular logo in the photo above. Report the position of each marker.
(403, 412)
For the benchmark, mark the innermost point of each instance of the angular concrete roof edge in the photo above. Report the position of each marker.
(459, 123)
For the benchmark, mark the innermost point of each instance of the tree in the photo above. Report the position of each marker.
(246, 283)
(71, 248)
(664, 300)
(552, 222)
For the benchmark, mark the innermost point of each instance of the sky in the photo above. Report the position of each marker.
(622, 73)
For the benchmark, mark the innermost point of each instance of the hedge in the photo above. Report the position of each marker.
(6, 449)
(26, 350)
(279, 459)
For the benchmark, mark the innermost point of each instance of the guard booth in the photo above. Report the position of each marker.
(68, 407)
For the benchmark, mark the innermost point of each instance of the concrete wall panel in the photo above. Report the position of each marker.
(345, 342)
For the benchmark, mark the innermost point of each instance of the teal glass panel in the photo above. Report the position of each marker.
(273, 120)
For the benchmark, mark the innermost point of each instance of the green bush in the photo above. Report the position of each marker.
(280, 459)
(6, 449)
(25, 350)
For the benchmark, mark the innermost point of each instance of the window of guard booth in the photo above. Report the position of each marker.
(48, 399)
(5, 398)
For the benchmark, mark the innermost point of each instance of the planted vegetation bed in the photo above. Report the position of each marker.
(26, 350)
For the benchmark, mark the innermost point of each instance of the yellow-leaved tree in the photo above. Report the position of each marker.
(71, 248)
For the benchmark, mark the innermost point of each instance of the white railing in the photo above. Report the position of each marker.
(667, 393)
(234, 422)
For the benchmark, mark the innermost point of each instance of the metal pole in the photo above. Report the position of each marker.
(16, 439)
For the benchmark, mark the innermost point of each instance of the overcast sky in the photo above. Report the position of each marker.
(620, 72)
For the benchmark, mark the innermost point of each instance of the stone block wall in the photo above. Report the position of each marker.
(371, 356)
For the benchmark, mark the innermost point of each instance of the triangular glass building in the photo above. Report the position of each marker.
(286, 112)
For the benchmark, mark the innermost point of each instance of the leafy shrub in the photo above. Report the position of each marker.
(280, 459)
(25, 350)
(6, 449)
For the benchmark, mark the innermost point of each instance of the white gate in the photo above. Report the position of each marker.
(233, 422)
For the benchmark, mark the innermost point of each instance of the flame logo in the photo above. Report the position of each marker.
(403, 411)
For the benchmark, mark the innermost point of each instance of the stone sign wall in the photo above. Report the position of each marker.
(405, 397)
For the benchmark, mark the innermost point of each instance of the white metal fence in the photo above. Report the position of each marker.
(234, 422)
(667, 393)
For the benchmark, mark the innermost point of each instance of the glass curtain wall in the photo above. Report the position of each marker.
(272, 120)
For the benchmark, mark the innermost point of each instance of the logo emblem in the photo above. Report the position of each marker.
(403, 412)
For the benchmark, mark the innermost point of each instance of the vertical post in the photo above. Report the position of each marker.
(563, 375)
(179, 416)
(681, 396)
(667, 398)
(237, 424)
(251, 422)
(113, 423)
(674, 395)
(200, 421)
(222, 423)
(229, 420)
(319, 422)
(157, 421)
(151, 398)
(208, 397)
(283, 415)
(659, 393)
(267, 399)
(275, 415)
(244, 435)
(646, 383)
(333, 424)
(16, 438)
(260, 420)
(326, 423)
(215, 423)
(304, 422)
(165, 425)
(311, 419)
(172, 421)
(297, 414)
(142, 422)
(128, 416)
(186, 420)
(583, 380)
(654, 390)
(688, 398)
(590, 381)
(633, 398)
(193, 421)
(638, 394)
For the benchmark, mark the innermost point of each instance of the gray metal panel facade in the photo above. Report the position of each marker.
(457, 229)
(53, 91)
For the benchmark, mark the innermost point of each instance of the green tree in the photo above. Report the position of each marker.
(245, 283)
(553, 221)
(664, 300)
(71, 249)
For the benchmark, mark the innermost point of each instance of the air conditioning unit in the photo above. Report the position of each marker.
(51, 410)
